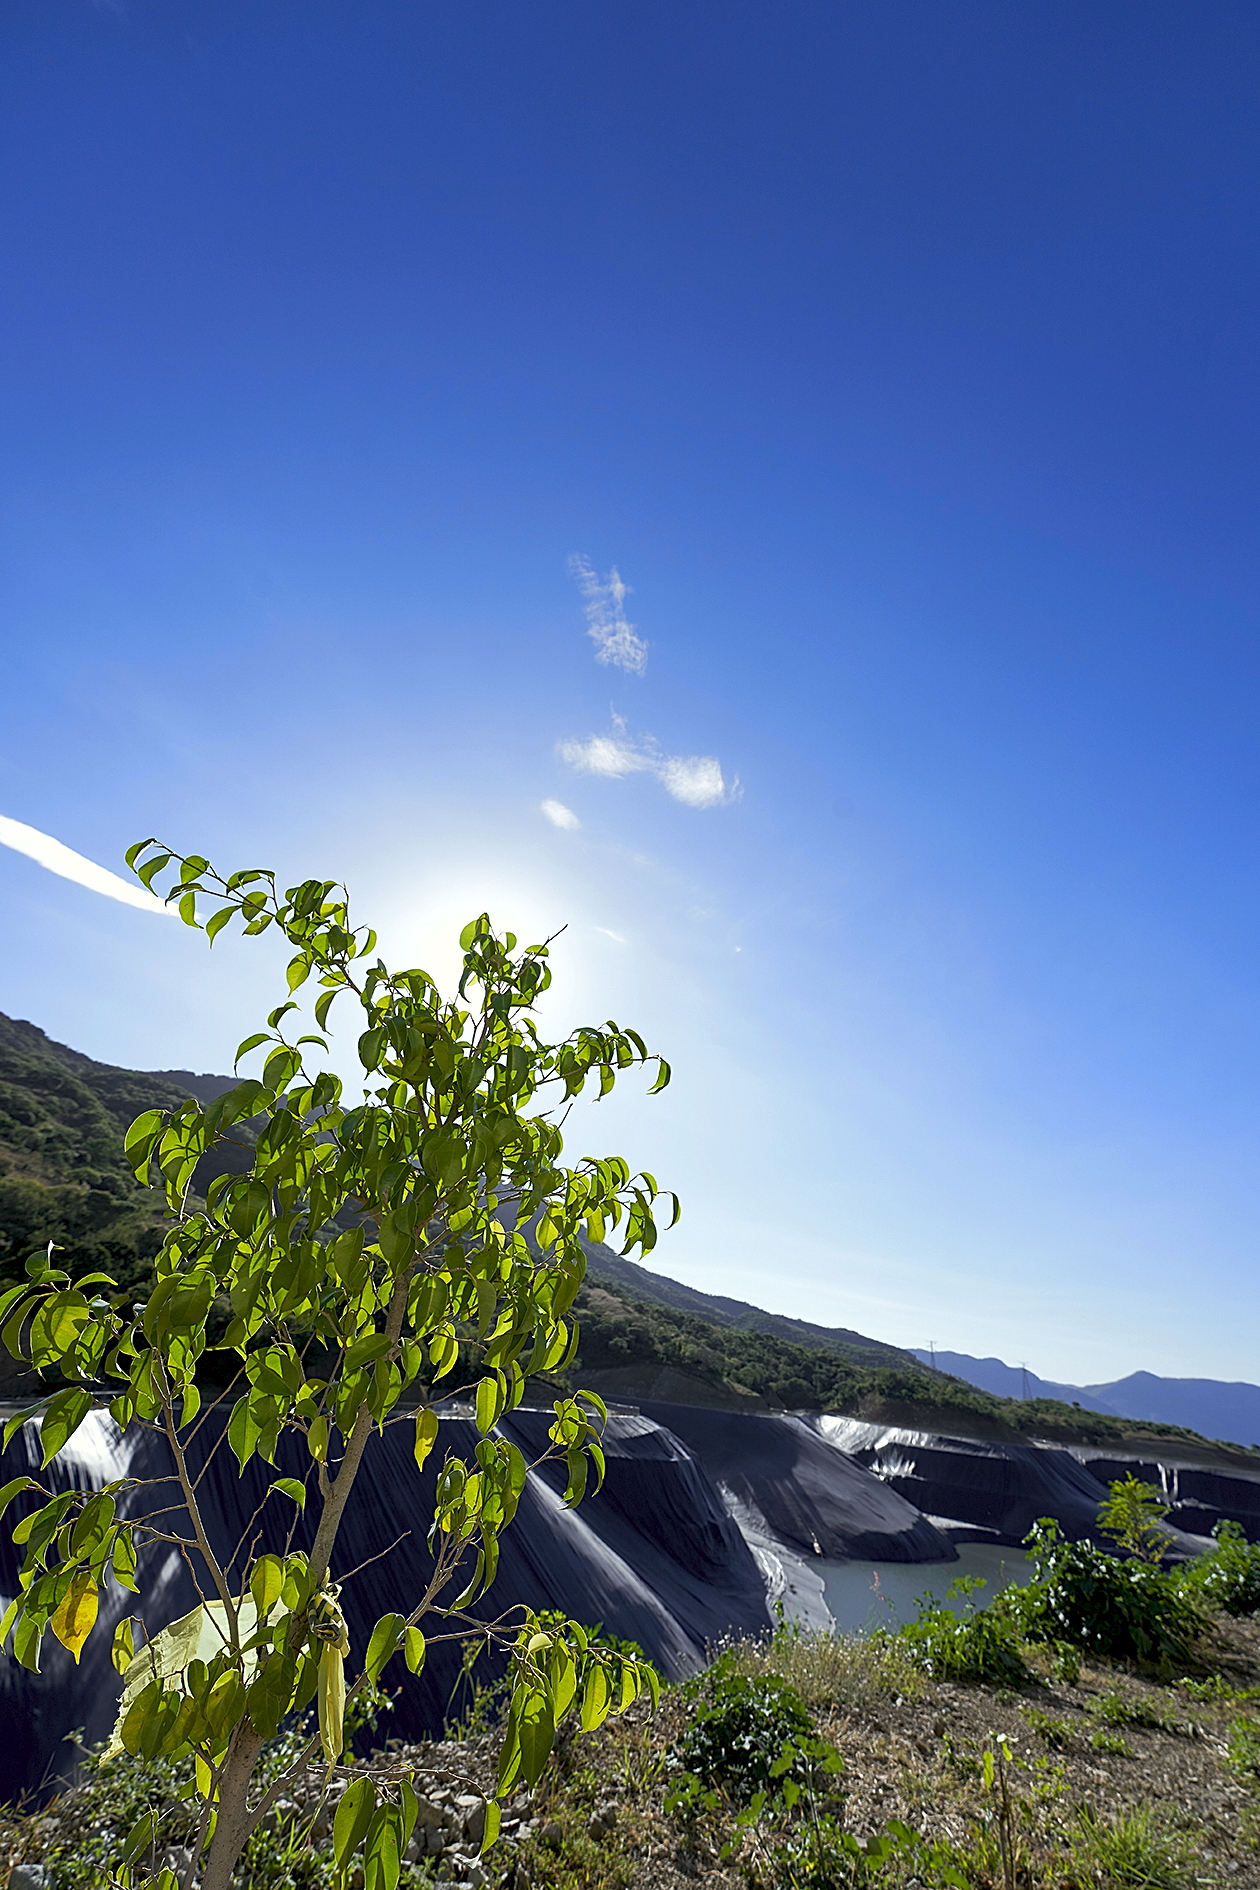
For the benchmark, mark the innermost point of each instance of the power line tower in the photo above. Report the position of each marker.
(1024, 1376)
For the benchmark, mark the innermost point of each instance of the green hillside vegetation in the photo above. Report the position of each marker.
(620, 1331)
(63, 1174)
(63, 1177)
(633, 1282)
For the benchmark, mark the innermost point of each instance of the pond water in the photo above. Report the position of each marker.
(864, 1595)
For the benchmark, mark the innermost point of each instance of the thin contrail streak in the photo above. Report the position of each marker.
(70, 865)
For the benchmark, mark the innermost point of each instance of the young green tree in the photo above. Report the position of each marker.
(367, 1238)
(1132, 1515)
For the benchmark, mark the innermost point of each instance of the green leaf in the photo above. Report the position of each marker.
(290, 1487)
(371, 1048)
(62, 1419)
(27, 1636)
(10, 1490)
(414, 1649)
(491, 1395)
(510, 1754)
(386, 1639)
(372, 1345)
(139, 1141)
(216, 922)
(139, 1838)
(594, 1699)
(537, 1734)
(382, 1851)
(354, 1815)
(266, 1580)
(243, 1432)
(269, 1695)
(494, 1815)
(442, 1156)
(563, 1681)
(324, 1004)
(124, 1560)
(250, 1043)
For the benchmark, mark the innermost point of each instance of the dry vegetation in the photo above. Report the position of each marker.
(1105, 1776)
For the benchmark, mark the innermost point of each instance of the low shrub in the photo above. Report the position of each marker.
(1080, 1593)
(740, 1728)
(976, 1644)
(1228, 1576)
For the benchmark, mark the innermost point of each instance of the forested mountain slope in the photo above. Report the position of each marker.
(63, 1174)
(64, 1177)
(637, 1283)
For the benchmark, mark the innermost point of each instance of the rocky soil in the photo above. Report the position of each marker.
(1076, 1745)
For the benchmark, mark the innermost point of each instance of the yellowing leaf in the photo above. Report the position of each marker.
(426, 1434)
(76, 1617)
(124, 1648)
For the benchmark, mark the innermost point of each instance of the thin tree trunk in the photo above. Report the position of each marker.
(235, 1820)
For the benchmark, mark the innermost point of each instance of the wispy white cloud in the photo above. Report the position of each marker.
(559, 815)
(59, 859)
(615, 640)
(695, 780)
(616, 937)
(609, 755)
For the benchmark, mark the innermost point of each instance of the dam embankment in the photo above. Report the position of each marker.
(706, 1515)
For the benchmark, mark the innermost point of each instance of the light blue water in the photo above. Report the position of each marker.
(864, 1595)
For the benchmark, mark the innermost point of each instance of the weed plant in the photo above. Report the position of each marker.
(849, 1672)
(1129, 1610)
(1132, 1848)
(740, 1727)
(1242, 1751)
(1228, 1576)
(1056, 1733)
(976, 1644)
(1117, 1709)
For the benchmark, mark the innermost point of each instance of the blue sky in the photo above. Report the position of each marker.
(902, 362)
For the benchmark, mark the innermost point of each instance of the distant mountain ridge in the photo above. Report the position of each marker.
(1212, 1406)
